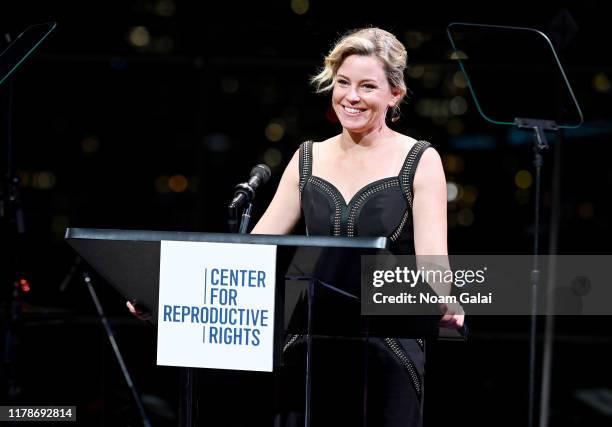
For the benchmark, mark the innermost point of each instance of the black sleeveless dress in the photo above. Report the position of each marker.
(379, 380)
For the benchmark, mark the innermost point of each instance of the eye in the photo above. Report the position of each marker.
(369, 86)
(342, 82)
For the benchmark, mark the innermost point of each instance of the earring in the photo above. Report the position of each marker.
(395, 113)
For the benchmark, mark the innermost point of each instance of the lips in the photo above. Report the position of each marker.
(352, 111)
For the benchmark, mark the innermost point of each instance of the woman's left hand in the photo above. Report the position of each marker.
(453, 316)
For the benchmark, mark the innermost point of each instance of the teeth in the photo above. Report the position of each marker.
(352, 110)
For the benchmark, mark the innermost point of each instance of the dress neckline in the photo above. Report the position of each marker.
(359, 192)
(366, 187)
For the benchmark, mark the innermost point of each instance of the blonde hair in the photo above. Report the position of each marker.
(366, 42)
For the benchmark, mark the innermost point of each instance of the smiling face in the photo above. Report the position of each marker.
(362, 94)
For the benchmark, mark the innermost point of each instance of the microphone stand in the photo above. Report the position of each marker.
(244, 194)
(245, 219)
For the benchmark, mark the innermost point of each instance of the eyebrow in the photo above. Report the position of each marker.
(362, 81)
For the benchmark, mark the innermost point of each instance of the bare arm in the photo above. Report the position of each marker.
(429, 206)
(284, 210)
(430, 227)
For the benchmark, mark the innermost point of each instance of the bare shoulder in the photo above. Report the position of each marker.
(429, 157)
(323, 148)
(429, 168)
(405, 142)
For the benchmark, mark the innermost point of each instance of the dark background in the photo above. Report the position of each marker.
(144, 115)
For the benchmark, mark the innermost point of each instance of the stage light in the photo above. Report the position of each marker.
(275, 130)
(523, 179)
(300, 7)
(139, 36)
(178, 183)
(272, 157)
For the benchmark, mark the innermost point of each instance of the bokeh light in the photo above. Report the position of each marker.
(300, 7)
(523, 179)
(139, 36)
(178, 183)
(275, 130)
(272, 157)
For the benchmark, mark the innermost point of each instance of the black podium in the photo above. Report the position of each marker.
(329, 266)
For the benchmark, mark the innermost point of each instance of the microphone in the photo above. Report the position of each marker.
(245, 192)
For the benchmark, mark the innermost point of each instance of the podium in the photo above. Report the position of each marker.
(129, 260)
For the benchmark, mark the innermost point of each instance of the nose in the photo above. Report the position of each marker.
(352, 95)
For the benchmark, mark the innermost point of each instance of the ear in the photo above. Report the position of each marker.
(396, 96)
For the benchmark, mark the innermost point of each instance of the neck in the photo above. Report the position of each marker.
(351, 140)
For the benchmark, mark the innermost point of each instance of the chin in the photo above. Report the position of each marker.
(360, 130)
(353, 124)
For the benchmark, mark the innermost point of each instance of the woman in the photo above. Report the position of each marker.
(367, 181)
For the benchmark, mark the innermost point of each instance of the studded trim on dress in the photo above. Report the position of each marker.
(356, 207)
(406, 362)
(305, 164)
(291, 338)
(400, 227)
(408, 170)
(333, 193)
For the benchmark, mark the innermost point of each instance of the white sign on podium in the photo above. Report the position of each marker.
(216, 305)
